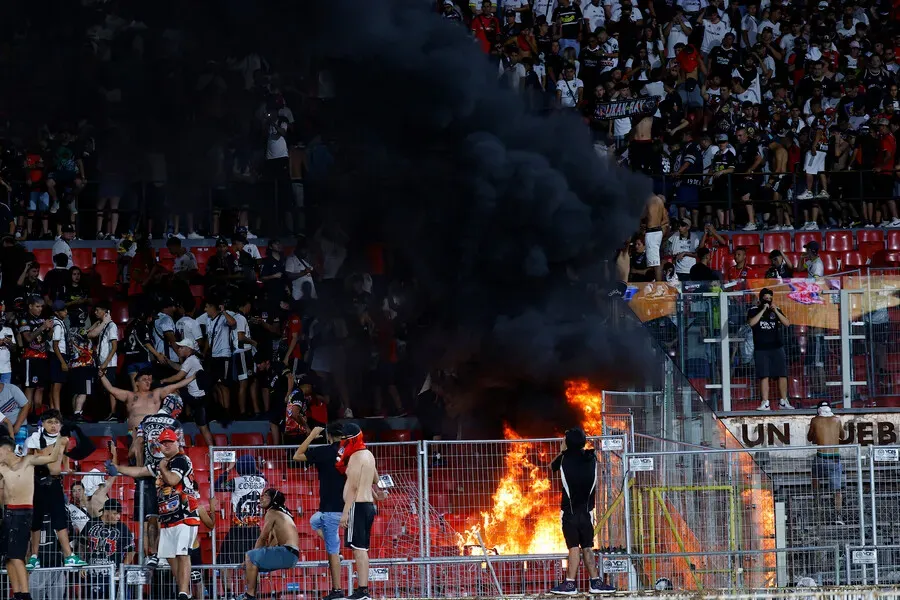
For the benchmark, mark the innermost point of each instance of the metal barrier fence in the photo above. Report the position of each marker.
(848, 355)
(63, 583)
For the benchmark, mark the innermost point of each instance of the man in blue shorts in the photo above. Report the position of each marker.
(825, 430)
(283, 553)
(326, 521)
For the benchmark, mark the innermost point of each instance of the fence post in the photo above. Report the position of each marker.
(626, 498)
(872, 499)
(724, 354)
(846, 358)
(859, 492)
(423, 508)
(426, 505)
(212, 487)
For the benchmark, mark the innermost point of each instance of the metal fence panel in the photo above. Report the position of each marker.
(63, 583)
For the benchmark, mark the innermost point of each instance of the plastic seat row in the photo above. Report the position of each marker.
(837, 240)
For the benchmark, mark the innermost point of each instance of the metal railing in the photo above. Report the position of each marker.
(65, 583)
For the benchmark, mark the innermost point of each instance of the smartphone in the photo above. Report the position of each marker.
(385, 482)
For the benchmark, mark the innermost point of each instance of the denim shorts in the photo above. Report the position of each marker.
(329, 524)
(273, 558)
(829, 470)
(39, 201)
(5, 377)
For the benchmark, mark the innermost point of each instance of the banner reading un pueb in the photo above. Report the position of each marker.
(813, 303)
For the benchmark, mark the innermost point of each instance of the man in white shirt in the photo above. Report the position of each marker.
(57, 353)
(187, 326)
(61, 245)
(14, 408)
(217, 324)
(190, 366)
(299, 273)
(520, 6)
(714, 30)
(105, 334)
(569, 89)
(814, 265)
(7, 343)
(683, 247)
(185, 261)
(163, 333)
(595, 15)
(678, 31)
(244, 349)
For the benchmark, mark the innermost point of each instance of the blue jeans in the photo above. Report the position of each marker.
(5, 377)
(564, 43)
(272, 558)
(329, 524)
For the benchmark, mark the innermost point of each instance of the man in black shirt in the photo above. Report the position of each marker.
(567, 19)
(781, 267)
(766, 321)
(639, 270)
(326, 522)
(723, 59)
(577, 468)
(749, 161)
(701, 271)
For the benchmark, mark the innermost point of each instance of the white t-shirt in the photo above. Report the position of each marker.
(61, 246)
(188, 328)
(594, 15)
(610, 46)
(5, 362)
(186, 262)
(12, 401)
(59, 335)
(749, 24)
(161, 325)
(192, 366)
(108, 335)
(712, 35)
(568, 92)
(815, 267)
(276, 146)
(241, 325)
(516, 4)
(295, 264)
(218, 334)
(77, 517)
(676, 36)
(677, 245)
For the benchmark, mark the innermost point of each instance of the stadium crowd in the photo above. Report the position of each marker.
(749, 115)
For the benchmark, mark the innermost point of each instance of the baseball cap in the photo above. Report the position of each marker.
(68, 228)
(58, 305)
(812, 245)
(721, 137)
(823, 5)
(188, 343)
(686, 222)
(510, 12)
(112, 505)
(168, 435)
(854, 44)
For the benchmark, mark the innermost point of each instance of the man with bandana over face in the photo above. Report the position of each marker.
(360, 493)
(825, 430)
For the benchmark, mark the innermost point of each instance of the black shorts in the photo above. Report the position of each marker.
(196, 559)
(242, 366)
(770, 363)
(218, 369)
(37, 371)
(17, 532)
(145, 486)
(577, 529)
(298, 366)
(359, 529)
(238, 541)
(57, 375)
(49, 499)
(198, 408)
(83, 380)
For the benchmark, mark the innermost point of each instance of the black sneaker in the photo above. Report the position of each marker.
(598, 587)
(334, 595)
(361, 593)
(566, 588)
(151, 561)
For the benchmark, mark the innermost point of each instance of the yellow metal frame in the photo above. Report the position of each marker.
(655, 496)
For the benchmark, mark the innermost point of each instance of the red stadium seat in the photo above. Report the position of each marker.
(720, 259)
(199, 458)
(758, 260)
(44, 256)
(870, 235)
(852, 260)
(247, 439)
(167, 263)
(164, 253)
(893, 240)
(263, 250)
(107, 272)
(83, 258)
(838, 241)
(885, 258)
(747, 240)
(801, 238)
(202, 254)
(197, 291)
(757, 272)
(107, 254)
(119, 312)
(396, 435)
(776, 241)
(831, 262)
(870, 248)
(796, 260)
(219, 439)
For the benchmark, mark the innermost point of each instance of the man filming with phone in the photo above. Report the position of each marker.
(766, 321)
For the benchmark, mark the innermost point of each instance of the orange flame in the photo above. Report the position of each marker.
(524, 516)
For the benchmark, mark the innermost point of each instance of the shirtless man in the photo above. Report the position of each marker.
(359, 504)
(143, 403)
(825, 430)
(17, 479)
(278, 546)
(641, 156)
(656, 219)
(778, 185)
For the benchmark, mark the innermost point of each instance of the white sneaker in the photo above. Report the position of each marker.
(73, 207)
(823, 194)
(750, 227)
(783, 404)
(787, 227)
(870, 226)
(807, 195)
(348, 414)
(764, 406)
(775, 228)
(884, 224)
(178, 235)
(894, 223)
(54, 207)
(194, 236)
